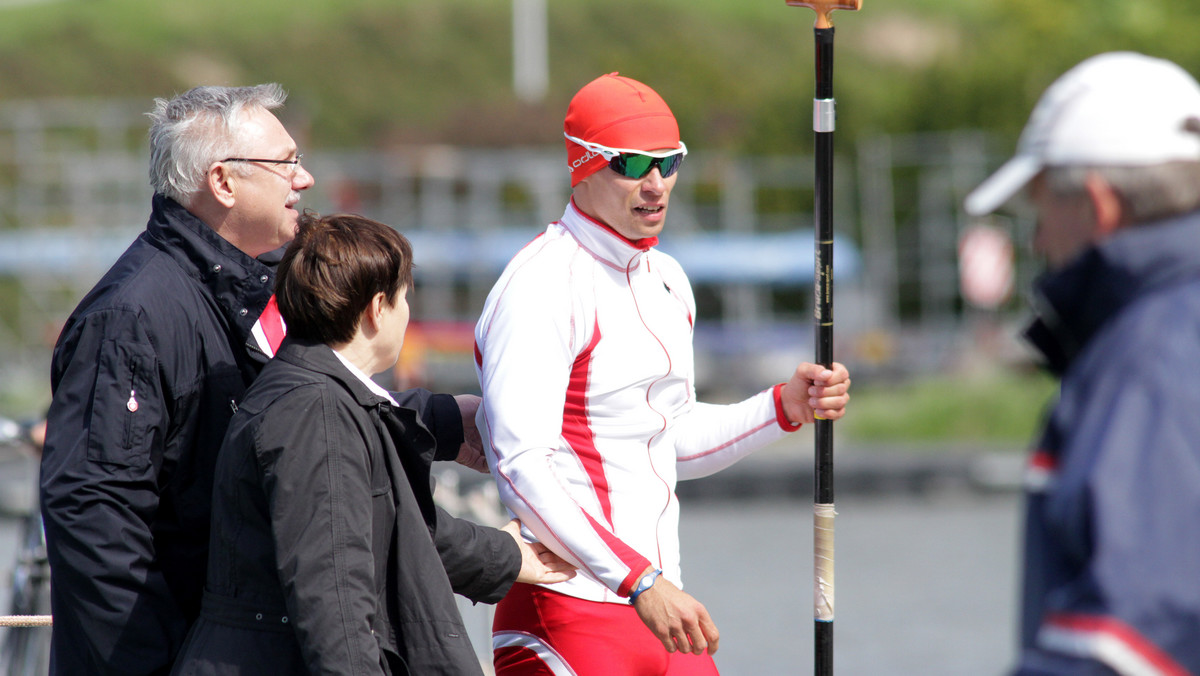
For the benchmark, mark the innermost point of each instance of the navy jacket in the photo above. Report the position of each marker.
(145, 376)
(1112, 551)
(325, 550)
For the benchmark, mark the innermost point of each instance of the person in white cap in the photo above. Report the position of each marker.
(1110, 160)
(589, 413)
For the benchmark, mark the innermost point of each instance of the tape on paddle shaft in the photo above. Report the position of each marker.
(823, 562)
(824, 115)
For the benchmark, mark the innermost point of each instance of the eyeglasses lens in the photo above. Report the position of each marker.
(669, 165)
(634, 165)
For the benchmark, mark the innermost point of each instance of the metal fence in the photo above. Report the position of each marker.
(74, 193)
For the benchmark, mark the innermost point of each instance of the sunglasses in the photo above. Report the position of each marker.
(636, 163)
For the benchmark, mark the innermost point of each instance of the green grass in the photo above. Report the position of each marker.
(737, 73)
(1000, 407)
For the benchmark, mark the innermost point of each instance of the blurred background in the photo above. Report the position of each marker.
(444, 119)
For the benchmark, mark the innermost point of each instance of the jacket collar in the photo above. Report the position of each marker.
(605, 244)
(400, 422)
(1072, 303)
(319, 358)
(241, 285)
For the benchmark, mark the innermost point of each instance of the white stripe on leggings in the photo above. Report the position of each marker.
(520, 639)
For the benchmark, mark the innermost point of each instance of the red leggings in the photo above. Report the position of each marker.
(538, 632)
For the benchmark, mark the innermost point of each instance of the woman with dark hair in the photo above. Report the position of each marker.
(327, 552)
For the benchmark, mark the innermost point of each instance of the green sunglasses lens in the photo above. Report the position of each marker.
(634, 165)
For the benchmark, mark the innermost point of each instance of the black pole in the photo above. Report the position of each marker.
(823, 545)
(823, 512)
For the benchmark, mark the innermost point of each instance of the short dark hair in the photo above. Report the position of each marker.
(333, 269)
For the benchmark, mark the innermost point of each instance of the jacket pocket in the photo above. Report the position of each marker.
(126, 406)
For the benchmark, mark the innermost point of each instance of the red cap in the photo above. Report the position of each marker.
(617, 112)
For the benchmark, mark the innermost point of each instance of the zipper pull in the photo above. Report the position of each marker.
(132, 404)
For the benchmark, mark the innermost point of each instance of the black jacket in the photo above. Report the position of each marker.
(325, 548)
(145, 376)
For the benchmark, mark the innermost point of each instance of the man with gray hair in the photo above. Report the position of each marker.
(1110, 160)
(147, 372)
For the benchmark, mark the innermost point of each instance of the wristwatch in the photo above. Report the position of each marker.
(643, 584)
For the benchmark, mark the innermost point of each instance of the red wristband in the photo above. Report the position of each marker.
(781, 417)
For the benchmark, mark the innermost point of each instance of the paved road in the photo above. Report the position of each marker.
(925, 585)
(926, 580)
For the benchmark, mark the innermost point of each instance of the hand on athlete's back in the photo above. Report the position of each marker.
(539, 565)
(470, 454)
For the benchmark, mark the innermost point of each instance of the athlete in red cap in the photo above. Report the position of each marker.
(589, 414)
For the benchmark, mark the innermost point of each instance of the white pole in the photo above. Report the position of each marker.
(531, 72)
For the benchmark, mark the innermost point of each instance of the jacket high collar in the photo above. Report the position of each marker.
(606, 244)
(319, 358)
(241, 284)
(1072, 303)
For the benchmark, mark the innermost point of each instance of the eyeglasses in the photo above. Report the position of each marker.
(295, 163)
(636, 163)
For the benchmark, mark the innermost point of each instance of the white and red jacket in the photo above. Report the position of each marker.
(589, 414)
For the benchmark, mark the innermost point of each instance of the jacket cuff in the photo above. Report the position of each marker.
(495, 581)
(781, 417)
(447, 426)
(635, 573)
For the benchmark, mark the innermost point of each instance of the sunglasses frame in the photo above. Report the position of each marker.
(618, 160)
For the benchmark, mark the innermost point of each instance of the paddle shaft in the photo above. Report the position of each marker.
(823, 546)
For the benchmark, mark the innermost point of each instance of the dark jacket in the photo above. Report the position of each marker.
(325, 549)
(145, 376)
(1112, 568)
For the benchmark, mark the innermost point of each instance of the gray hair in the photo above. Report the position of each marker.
(196, 128)
(1147, 193)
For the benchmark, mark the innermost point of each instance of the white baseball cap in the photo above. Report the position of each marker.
(1115, 109)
